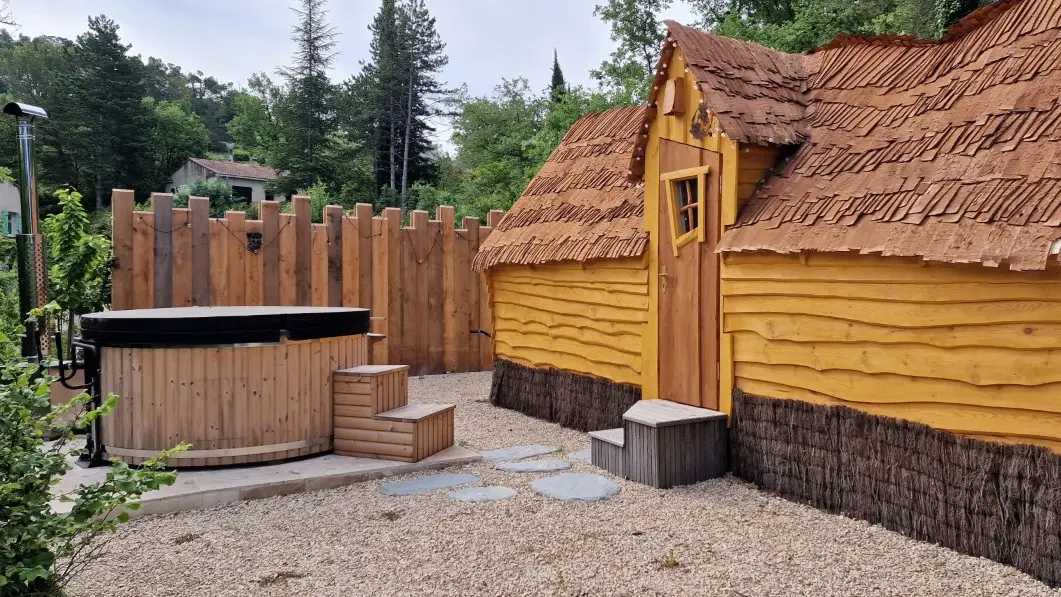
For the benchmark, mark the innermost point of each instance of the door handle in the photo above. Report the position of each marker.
(663, 280)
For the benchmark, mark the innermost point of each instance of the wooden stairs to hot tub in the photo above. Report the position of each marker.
(373, 417)
(664, 444)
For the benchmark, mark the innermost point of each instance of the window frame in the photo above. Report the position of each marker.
(699, 233)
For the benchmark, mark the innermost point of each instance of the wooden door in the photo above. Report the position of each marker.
(688, 287)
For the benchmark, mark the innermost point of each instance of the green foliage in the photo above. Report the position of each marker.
(6, 175)
(802, 25)
(41, 549)
(79, 273)
(219, 193)
(557, 85)
(176, 135)
(10, 319)
(638, 33)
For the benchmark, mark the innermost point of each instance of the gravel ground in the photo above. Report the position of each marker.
(716, 538)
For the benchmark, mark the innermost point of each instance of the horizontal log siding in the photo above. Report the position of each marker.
(585, 318)
(970, 350)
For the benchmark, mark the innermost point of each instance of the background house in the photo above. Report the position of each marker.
(247, 180)
(10, 209)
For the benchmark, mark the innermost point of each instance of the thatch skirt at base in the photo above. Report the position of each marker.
(580, 402)
(999, 501)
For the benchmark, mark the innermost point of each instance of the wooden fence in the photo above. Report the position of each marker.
(416, 280)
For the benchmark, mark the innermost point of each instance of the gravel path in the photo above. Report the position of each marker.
(717, 538)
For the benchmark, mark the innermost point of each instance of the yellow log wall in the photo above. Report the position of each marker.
(969, 349)
(587, 318)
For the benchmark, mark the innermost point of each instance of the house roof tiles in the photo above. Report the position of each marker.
(236, 169)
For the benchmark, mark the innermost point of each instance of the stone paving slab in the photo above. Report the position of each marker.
(199, 489)
(534, 466)
(583, 455)
(576, 487)
(427, 483)
(517, 453)
(482, 494)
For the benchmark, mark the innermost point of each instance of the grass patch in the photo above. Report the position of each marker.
(669, 562)
(392, 515)
(186, 538)
(279, 577)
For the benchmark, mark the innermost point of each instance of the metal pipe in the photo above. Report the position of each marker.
(28, 241)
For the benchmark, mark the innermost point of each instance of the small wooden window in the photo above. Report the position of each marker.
(685, 198)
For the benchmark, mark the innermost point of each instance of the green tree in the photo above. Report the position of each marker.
(176, 135)
(253, 127)
(217, 191)
(638, 33)
(305, 116)
(79, 272)
(557, 85)
(103, 104)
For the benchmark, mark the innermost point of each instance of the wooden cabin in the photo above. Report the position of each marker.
(568, 281)
(853, 254)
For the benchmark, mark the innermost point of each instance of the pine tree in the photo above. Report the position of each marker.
(558, 87)
(305, 118)
(109, 125)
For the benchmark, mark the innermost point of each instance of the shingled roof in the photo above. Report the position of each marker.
(580, 206)
(236, 169)
(948, 151)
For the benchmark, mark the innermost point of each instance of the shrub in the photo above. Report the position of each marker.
(40, 549)
(219, 193)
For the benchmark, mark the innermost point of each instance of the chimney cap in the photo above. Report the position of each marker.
(17, 109)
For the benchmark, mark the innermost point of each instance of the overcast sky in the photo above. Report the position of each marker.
(232, 39)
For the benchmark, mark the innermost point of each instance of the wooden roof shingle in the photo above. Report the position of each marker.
(580, 205)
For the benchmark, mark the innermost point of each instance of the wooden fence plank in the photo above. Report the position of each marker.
(366, 231)
(288, 280)
(200, 209)
(436, 353)
(303, 251)
(319, 266)
(486, 324)
(269, 211)
(351, 243)
(387, 285)
(143, 260)
(474, 283)
(462, 310)
(236, 222)
(493, 218)
(333, 220)
(446, 217)
(219, 263)
(122, 232)
(182, 258)
(419, 314)
(253, 289)
(162, 208)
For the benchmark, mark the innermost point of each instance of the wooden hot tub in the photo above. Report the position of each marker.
(241, 384)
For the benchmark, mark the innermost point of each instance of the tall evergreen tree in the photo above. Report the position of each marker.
(393, 96)
(305, 118)
(558, 87)
(102, 105)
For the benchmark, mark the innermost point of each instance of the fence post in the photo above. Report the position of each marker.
(333, 219)
(219, 242)
(269, 212)
(237, 253)
(162, 207)
(303, 251)
(486, 343)
(366, 232)
(387, 286)
(472, 225)
(446, 216)
(200, 221)
(351, 281)
(122, 241)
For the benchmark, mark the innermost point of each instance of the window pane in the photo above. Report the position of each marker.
(693, 187)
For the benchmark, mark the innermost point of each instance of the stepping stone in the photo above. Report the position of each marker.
(482, 494)
(534, 466)
(583, 455)
(427, 483)
(576, 487)
(517, 453)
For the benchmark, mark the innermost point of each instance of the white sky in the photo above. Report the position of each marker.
(232, 39)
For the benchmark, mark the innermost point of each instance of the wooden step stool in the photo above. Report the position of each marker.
(664, 444)
(373, 419)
